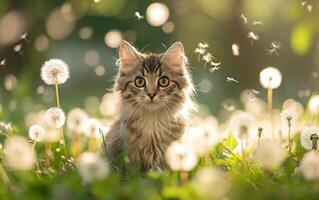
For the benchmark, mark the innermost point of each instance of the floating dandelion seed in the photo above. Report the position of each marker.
(235, 49)
(309, 137)
(207, 58)
(244, 19)
(213, 69)
(253, 37)
(256, 22)
(215, 64)
(36, 133)
(25, 37)
(55, 71)
(18, 154)
(269, 154)
(3, 62)
(96, 1)
(18, 49)
(309, 165)
(275, 46)
(92, 167)
(55, 117)
(203, 45)
(231, 79)
(138, 15)
(303, 3)
(309, 8)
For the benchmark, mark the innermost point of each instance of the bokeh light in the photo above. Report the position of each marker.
(157, 14)
(113, 38)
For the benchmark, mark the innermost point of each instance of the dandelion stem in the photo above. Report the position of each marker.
(243, 153)
(48, 153)
(269, 95)
(58, 104)
(92, 143)
(289, 140)
(184, 176)
(76, 144)
(4, 175)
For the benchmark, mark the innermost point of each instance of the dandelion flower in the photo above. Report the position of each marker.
(211, 183)
(180, 157)
(313, 104)
(241, 124)
(36, 133)
(92, 167)
(76, 119)
(55, 117)
(91, 128)
(55, 71)
(309, 165)
(309, 138)
(269, 154)
(288, 117)
(270, 77)
(18, 154)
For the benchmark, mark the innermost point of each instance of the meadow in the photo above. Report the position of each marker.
(254, 135)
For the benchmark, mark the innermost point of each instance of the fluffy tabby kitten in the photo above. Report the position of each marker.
(155, 99)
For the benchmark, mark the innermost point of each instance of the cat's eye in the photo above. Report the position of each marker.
(139, 82)
(163, 81)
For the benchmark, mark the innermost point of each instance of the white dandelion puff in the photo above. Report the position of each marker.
(211, 183)
(235, 49)
(76, 120)
(269, 154)
(309, 137)
(288, 116)
(270, 77)
(55, 71)
(18, 154)
(309, 165)
(36, 133)
(91, 128)
(92, 167)
(180, 158)
(313, 104)
(55, 117)
(241, 124)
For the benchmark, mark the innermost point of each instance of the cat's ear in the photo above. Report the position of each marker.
(175, 57)
(129, 57)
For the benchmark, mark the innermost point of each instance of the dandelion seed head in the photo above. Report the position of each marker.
(55, 71)
(92, 167)
(269, 154)
(76, 120)
(270, 77)
(211, 183)
(241, 124)
(180, 157)
(305, 137)
(36, 133)
(18, 154)
(313, 104)
(288, 117)
(55, 117)
(107, 108)
(309, 165)
(91, 128)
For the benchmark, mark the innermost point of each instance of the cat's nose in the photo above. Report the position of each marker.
(152, 95)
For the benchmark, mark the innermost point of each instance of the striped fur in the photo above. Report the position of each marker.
(147, 126)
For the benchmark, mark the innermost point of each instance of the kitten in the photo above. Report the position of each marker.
(155, 93)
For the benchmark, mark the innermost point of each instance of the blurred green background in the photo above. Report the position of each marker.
(75, 31)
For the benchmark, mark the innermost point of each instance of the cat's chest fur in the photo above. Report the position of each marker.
(149, 136)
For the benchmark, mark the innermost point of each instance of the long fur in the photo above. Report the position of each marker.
(144, 130)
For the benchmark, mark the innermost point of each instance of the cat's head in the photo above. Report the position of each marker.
(153, 82)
